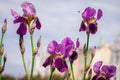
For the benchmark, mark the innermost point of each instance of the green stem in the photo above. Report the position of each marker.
(25, 68)
(51, 74)
(1, 55)
(85, 58)
(33, 59)
(71, 66)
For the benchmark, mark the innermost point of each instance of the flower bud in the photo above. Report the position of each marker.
(35, 51)
(93, 52)
(2, 50)
(39, 42)
(4, 27)
(21, 44)
(89, 74)
(84, 50)
(1, 69)
(5, 58)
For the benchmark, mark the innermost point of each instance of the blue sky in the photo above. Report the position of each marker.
(59, 18)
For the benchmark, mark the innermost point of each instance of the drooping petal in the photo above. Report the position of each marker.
(77, 43)
(38, 24)
(82, 27)
(109, 71)
(100, 14)
(73, 57)
(92, 28)
(19, 20)
(14, 14)
(28, 9)
(60, 64)
(101, 78)
(22, 29)
(52, 47)
(97, 66)
(48, 61)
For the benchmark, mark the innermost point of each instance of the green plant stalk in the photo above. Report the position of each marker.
(51, 74)
(85, 58)
(71, 66)
(25, 68)
(1, 55)
(33, 59)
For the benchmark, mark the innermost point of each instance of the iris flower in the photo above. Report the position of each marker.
(103, 72)
(89, 23)
(59, 52)
(29, 15)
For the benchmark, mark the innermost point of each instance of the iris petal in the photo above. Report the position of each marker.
(38, 24)
(52, 47)
(82, 26)
(92, 28)
(19, 19)
(100, 14)
(48, 61)
(97, 66)
(14, 14)
(60, 64)
(22, 29)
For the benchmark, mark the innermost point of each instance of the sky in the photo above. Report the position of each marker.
(59, 19)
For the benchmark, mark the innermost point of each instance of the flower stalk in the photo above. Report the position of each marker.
(33, 58)
(85, 57)
(71, 66)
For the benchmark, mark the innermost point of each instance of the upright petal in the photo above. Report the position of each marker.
(88, 13)
(22, 29)
(68, 44)
(52, 47)
(48, 61)
(92, 28)
(82, 27)
(14, 14)
(19, 20)
(60, 64)
(97, 66)
(38, 24)
(100, 14)
(28, 9)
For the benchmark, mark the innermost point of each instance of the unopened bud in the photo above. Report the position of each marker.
(5, 58)
(21, 44)
(1, 69)
(4, 27)
(87, 68)
(35, 51)
(39, 42)
(89, 74)
(2, 50)
(93, 51)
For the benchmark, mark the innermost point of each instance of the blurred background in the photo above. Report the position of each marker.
(59, 19)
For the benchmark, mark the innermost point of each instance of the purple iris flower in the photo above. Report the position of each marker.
(29, 13)
(90, 13)
(59, 52)
(89, 22)
(107, 71)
